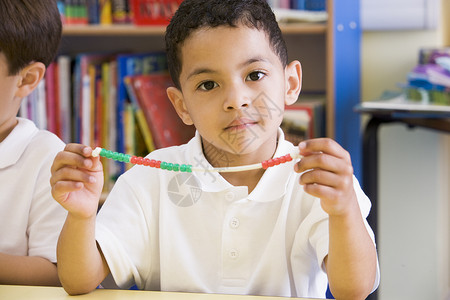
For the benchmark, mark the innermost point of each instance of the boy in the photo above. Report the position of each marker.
(283, 231)
(30, 221)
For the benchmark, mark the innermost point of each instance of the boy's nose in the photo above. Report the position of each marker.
(237, 99)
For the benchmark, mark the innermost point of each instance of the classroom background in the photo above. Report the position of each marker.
(414, 163)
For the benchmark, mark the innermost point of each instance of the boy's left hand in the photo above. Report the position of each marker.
(328, 174)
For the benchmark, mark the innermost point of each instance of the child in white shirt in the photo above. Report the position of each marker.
(284, 231)
(30, 220)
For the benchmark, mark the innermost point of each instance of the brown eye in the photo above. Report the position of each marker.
(255, 76)
(207, 85)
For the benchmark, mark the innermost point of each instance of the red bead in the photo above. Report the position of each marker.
(152, 163)
(158, 164)
(271, 162)
(139, 160)
(282, 159)
(288, 157)
(146, 162)
(265, 165)
(277, 161)
(133, 159)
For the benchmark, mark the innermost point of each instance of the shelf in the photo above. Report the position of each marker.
(130, 30)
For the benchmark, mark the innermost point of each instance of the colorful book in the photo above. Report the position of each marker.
(140, 116)
(52, 105)
(65, 110)
(296, 124)
(120, 11)
(93, 11)
(165, 125)
(105, 12)
(83, 98)
(153, 12)
(128, 65)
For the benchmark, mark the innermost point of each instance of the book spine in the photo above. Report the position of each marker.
(105, 10)
(120, 12)
(50, 98)
(93, 11)
(64, 79)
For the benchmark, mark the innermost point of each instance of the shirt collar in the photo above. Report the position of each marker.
(14, 145)
(274, 177)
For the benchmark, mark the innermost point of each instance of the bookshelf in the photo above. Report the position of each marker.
(329, 53)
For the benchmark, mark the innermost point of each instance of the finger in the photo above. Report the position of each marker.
(325, 162)
(80, 149)
(61, 189)
(322, 177)
(76, 156)
(323, 145)
(72, 174)
(320, 191)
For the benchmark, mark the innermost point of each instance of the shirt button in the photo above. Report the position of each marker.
(234, 254)
(229, 196)
(234, 222)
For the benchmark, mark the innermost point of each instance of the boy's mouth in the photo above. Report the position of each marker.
(239, 124)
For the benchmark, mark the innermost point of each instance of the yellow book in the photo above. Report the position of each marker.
(105, 12)
(140, 117)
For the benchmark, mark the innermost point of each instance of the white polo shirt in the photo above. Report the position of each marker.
(195, 232)
(30, 220)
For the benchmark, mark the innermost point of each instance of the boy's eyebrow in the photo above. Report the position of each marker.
(211, 71)
(200, 71)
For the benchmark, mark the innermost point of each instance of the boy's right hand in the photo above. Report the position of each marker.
(77, 180)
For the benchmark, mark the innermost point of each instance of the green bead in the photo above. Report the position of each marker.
(163, 165)
(103, 152)
(170, 166)
(109, 154)
(127, 158)
(189, 168)
(115, 156)
(176, 167)
(183, 168)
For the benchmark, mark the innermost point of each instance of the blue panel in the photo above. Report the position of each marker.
(347, 33)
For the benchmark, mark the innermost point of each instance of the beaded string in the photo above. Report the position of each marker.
(189, 168)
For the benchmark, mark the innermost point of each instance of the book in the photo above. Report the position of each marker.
(127, 65)
(83, 96)
(165, 125)
(153, 12)
(120, 11)
(105, 12)
(65, 104)
(305, 119)
(140, 117)
(296, 124)
(52, 103)
(93, 11)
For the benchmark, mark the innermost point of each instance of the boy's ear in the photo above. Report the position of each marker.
(177, 99)
(293, 82)
(29, 78)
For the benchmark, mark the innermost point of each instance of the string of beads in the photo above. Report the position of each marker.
(189, 168)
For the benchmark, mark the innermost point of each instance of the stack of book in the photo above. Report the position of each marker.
(429, 81)
(159, 12)
(106, 12)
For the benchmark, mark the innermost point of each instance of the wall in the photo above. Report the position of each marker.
(413, 178)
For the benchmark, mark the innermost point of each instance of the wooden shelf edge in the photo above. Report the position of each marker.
(114, 30)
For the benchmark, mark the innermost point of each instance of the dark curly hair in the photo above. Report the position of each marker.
(30, 31)
(195, 14)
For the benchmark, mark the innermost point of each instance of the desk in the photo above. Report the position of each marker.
(431, 119)
(18, 292)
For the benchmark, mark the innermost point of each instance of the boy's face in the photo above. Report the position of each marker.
(233, 89)
(9, 103)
